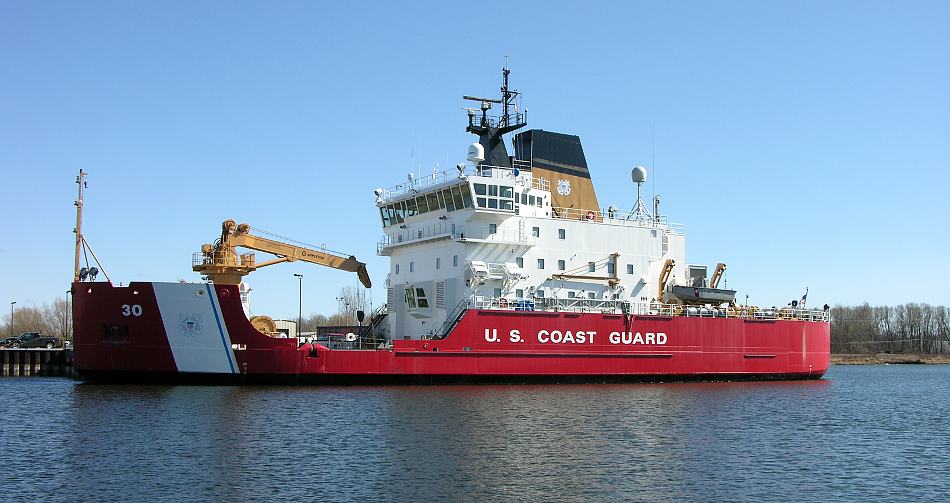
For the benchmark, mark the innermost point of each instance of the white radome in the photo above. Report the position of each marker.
(639, 174)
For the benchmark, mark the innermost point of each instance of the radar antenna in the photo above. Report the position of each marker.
(639, 211)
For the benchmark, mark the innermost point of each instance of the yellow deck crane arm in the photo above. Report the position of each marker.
(222, 264)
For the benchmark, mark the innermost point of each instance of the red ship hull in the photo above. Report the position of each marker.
(199, 333)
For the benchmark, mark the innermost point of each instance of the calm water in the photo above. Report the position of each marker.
(863, 433)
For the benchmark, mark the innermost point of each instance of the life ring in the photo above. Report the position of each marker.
(590, 216)
(350, 337)
(503, 303)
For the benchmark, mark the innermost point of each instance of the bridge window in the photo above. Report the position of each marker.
(433, 201)
(466, 197)
(457, 197)
(481, 189)
(411, 209)
(507, 192)
(493, 190)
(449, 201)
(384, 214)
(422, 204)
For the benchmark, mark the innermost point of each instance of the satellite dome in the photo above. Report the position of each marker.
(639, 174)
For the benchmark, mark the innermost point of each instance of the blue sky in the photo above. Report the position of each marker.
(806, 144)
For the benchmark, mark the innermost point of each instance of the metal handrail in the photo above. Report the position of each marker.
(611, 306)
(604, 216)
(447, 177)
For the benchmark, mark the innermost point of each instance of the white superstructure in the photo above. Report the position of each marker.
(488, 236)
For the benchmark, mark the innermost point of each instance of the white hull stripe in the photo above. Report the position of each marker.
(194, 328)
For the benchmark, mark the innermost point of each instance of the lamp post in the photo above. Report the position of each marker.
(11, 318)
(299, 303)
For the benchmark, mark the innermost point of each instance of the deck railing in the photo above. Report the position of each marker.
(606, 306)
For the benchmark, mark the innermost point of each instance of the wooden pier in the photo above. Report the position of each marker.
(37, 362)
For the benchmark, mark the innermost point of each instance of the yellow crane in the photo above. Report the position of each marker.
(222, 264)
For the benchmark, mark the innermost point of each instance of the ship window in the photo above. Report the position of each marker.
(507, 204)
(492, 228)
(536, 231)
(610, 267)
(482, 202)
(519, 293)
(590, 295)
(421, 300)
(411, 207)
(508, 192)
(493, 190)
(539, 293)
(561, 233)
(421, 204)
(531, 200)
(540, 263)
(524, 198)
(591, 267)
(433, 201)
(449, 202)
(410, 298)
(438, 262)
(561, 265)
(571, 295)
(438, 195)
(400, 209)
(396, 270)
(480, 189)
(412, 266)
(457, 197)
(492, 203)
(497, 293)
(629, 268)
(520, 262)
(384, 213)
(538, 201)
(466, 197)
(455, 260)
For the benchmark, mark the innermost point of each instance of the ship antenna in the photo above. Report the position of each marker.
(81, 181)
(656, 199)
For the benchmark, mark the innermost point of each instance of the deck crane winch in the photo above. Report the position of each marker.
(222, 264)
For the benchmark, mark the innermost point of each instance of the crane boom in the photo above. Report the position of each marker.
(222, 264)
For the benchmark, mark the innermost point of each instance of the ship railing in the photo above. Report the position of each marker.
(519, 172)
(417, 233)
(617, 306)
(616, 217)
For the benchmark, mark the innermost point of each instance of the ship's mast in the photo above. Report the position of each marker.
(81, 181)
(490, 130)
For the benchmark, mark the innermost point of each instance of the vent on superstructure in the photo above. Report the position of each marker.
(390, 296)
(440, 294)
(666, 244)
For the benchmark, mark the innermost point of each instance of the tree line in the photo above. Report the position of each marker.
(908, 328)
